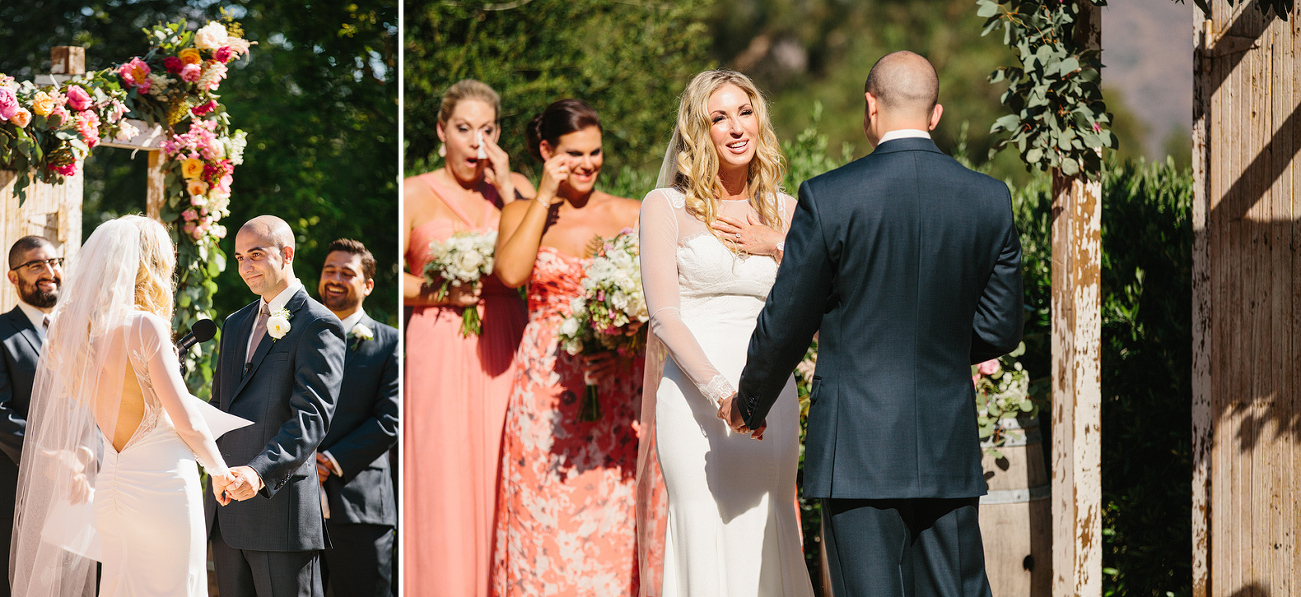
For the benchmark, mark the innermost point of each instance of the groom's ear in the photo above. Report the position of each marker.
(288, 253)
(936, 112)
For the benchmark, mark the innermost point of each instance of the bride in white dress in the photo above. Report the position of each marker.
(108, 467)
(710, 245)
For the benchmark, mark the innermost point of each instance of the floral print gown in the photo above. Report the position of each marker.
(565, 513)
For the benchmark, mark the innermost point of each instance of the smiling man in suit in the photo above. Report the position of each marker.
(36, 271)
(279, 365)
(352, 461)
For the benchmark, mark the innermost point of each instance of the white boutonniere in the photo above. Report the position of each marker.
(359, 333)
(278, 324)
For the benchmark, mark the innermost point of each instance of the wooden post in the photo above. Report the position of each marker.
(156, 196)
(1077, 370)
(67, 60)
(1201, 306)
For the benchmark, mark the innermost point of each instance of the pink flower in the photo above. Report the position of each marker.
(8, 103)
(223, 185)
(64, 169)
(191, 73)
(1097, 127)
(204, 108)
(223, 54)
(88, 127)
(134, 73)
(173, 65)
(213, 73)
(58, 115)
(78, 99)
(238, 46)
(190, 215)
(190, 229)
(989, 367)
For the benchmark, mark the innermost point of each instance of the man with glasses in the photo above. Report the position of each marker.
(36, 271)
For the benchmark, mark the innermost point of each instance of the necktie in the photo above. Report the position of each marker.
(259, 330)
(45, 323)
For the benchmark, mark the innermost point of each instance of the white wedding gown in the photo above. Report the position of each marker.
(733, 527)
(148, 499)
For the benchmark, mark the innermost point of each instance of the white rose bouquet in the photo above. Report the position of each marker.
(611, 315)
(464, 259)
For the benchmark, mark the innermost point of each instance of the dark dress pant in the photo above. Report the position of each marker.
(252, 573)
(905, 548)
(361, 562)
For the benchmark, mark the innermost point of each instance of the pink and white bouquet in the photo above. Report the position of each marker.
(463, 259)
(611, 315)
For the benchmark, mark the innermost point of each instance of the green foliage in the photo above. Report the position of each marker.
(806, 155)
(628, 60)
(1058, 112)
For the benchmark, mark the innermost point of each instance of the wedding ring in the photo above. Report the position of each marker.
(738, 237)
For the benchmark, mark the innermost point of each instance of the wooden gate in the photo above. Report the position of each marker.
(1246, 324)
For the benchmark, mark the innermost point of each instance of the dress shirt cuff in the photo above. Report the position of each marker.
(334, 464)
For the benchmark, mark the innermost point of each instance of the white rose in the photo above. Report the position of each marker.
(620, 301)
(469, 263)
(277, 326)
(210, 37)
(569, 327)
(126, 132)
(361, 331)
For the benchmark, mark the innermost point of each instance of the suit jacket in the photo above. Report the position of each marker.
(21, 345)
(910, 264)
(289, 392)
(364, 427)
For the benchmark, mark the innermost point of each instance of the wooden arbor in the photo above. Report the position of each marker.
(1246, 320)
(54, 211)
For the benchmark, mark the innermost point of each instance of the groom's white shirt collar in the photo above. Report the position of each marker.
(282, 299)
(351, 321)
(903, 134)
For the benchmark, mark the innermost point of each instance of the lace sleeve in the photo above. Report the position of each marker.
(149, 339)
(659, 278)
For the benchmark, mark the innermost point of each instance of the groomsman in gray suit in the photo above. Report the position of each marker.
(279, 365)
(352, 461)
(36, 271)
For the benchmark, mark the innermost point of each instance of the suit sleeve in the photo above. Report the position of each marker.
(318, 371)
(792, 314)
(357, 450)
(12, 425)
(1000, 312)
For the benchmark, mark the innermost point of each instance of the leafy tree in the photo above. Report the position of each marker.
(630, 61)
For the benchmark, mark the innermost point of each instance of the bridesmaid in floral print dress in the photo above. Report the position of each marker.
(565, 514)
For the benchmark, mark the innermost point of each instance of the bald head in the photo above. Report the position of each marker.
(905, 83)
(271, 229)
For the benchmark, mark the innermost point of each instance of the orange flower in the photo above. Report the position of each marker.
(190, 56)
(192, 168)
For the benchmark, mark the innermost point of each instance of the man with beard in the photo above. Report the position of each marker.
(352, 461)
(36, 270)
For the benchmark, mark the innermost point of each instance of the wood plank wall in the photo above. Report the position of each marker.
(1246, 323)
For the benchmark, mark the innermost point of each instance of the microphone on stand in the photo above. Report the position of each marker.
(202, 331)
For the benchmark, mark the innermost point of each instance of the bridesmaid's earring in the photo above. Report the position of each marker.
(442, 151)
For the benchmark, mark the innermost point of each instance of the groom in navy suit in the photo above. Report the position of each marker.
(910, 265)
(279, 365)
(352, 461)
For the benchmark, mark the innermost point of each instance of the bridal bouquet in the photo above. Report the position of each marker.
(611, 314)
(1002, 392)
(464, 259)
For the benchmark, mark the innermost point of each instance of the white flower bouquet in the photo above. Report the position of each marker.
(1002, 392)
(611, 315)
(463, 259)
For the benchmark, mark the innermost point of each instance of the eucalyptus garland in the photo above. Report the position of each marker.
(1059, 119)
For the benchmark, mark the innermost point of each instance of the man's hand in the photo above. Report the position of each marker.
(246, 484)
(323, 469)
(730, 414)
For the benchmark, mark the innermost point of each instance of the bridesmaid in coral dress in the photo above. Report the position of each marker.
(565, 519)
(456, 387)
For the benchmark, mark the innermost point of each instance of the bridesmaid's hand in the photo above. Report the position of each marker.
(497, 170)
(598, 367)
(462, 295)
(750, 236)
(554, 172)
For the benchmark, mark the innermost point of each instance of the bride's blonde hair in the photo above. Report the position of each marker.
(155, 282)
(696, 158)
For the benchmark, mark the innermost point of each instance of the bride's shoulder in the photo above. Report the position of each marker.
(669, 195)
(148, 324)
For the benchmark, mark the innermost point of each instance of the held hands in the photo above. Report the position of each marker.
(220, 483)
(245, 484)
(750, 236)
(730, 414)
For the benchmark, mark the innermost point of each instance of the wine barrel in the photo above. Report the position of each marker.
(1016, 514)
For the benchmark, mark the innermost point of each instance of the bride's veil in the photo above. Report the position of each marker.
(55, 543)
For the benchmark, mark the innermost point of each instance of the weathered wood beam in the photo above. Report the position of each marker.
(1201, 307)
(1077, 369)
